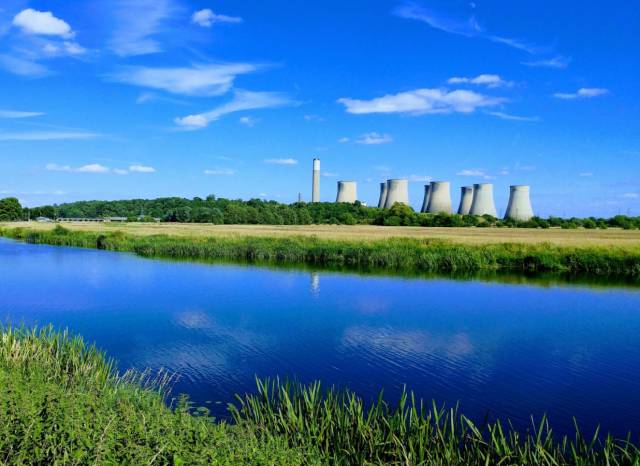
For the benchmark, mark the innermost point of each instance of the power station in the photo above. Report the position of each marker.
(347, 192)
(315, 189)
(466, 199)
(397, 192)
(425, 201)
(483, 200)
(519, 207)
(383, 195)
(439, 198)
(474, 200)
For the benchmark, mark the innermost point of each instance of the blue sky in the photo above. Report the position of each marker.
(111, 99)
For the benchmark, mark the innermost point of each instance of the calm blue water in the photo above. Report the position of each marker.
(508, 350)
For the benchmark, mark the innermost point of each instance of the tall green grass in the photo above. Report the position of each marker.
(62, 402)
(396, 254)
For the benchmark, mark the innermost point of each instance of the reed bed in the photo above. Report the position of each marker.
(63, 402)
(392, 255)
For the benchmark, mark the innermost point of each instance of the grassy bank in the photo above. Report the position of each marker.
(393, 254)
(63, 403)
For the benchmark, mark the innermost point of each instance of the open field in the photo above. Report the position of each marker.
(555, 236)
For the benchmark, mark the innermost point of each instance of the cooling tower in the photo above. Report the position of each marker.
(483, 200)
(425, 202)
(397, 191)
(519, 207)
(315, 190)
(347, 192)
(439, 197)
(466, 199)
(383, 195)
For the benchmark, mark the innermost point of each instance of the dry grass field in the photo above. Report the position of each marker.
(579, 237)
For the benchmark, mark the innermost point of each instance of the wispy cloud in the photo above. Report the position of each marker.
(423, 101)
(288, 161)
(207, 18)
(141, 169)
(314, 118)
(472, 172)
(23, 66)
(242, 100)
(220, 172)
(585, 174)
(463, 27)
(98, 168)
(17, 114)
(138, 22)
(419, 178)
(631, 196)
(506, 116)
(330, 174)
(582, 93)
(344, 140)
(249, 121)
(49, 136)
(558, 62)
(199, 80)
(489, 80)
(90, 168)
(374, 139)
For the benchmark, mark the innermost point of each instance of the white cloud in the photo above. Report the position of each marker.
(17, 114)
(90, 168)
(138, 23)
(63, 48)
(330, 174)
(463, 27)
(206, 18)
(506, 116)
(586, 174)
(558, 62)
(374, 139)
(48, 136)
(141, 169)
(199, 80)
(220, 172)
(582, 93)
(281, 161)
(631, 196)
(472, 172)
(489, 80)
(242, 100)
(422, 101)
(419, 178)
(344, 140)
(36, 22)
(249, 121)
(314, 118)
(23, 66)
(120, 171)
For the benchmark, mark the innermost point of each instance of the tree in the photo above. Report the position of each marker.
(10, 209)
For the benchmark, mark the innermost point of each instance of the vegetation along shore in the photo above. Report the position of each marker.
(63, 402)
(404, 254)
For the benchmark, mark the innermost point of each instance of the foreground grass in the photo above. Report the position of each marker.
(394, 254)
(63, 403)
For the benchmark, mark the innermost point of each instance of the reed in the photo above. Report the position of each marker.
(63, 402)
(391, 255)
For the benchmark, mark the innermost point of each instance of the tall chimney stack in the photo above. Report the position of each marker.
(315, 192)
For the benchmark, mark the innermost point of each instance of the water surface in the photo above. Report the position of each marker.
(510, 350)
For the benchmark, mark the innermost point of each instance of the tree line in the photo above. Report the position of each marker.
(256, 211)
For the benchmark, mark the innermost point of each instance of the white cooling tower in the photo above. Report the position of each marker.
(439, 197)
(315, 189)
(519, 207)
(466, 199)
(425, 202)
(383, 195)
(483, 200)
(347, 192)
(397, 192)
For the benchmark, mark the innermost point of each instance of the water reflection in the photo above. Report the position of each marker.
(507, 349)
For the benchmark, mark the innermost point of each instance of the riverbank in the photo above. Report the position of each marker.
(391, 255)
(63, 402)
